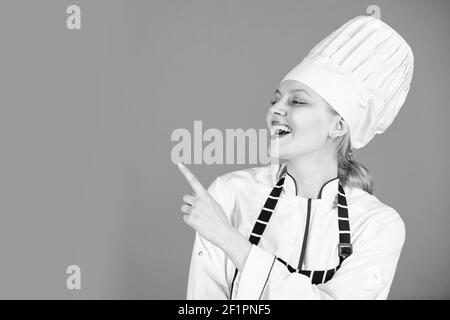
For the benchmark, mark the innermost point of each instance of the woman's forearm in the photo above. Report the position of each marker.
(237, 248)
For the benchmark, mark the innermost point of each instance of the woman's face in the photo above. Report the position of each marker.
(299, 120)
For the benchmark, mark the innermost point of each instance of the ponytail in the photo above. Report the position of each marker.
(351, 172)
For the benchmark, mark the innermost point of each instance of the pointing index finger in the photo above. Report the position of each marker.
(193, 181)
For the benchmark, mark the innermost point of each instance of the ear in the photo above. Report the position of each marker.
(339, 128)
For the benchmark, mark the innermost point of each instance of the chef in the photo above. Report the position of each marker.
(310, 226)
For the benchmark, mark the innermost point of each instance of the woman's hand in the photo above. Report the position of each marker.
(207, 217)
(203, 213)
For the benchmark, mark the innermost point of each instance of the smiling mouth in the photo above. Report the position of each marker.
(280, 130)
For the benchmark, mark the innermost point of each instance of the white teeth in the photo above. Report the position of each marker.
(276, 129)
(285, 128)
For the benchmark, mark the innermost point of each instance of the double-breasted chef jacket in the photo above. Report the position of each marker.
(299, 229)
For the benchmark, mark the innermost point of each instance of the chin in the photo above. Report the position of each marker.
(283, 154)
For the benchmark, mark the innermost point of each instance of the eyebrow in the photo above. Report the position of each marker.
(294, 90)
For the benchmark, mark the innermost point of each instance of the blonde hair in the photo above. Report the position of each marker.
(351, 172)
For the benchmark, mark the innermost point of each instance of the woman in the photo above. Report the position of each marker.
(309, 228)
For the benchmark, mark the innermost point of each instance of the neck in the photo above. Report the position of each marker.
(311, 172)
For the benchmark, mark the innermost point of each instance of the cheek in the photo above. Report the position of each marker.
(310, 127)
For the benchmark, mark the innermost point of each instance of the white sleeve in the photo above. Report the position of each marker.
(207, 273)
(366, 274)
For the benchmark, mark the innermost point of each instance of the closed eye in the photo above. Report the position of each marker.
(298, 102)
(293, 102)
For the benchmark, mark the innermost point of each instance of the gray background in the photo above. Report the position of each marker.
(86, 119)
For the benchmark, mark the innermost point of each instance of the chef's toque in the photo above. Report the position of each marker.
(363, 70)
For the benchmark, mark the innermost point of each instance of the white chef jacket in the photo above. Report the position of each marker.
(377, 236)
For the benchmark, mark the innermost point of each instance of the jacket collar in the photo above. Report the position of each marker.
(328, 191)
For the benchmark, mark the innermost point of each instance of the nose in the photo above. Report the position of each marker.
(281, 112)
(279, 108)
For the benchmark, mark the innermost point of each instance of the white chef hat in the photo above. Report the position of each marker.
(363, 70)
